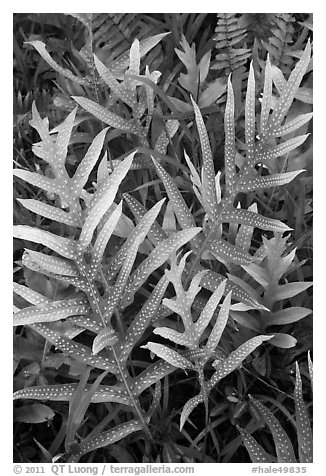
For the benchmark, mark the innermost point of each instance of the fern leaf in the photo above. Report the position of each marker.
(143, 318)
(40, 47)
(208, 174)
(266, 102)
(286, 291)
(106, 337)
(254, 220)
(137, 235)
(156, 258)
(86, 165)
(64, 393)
(290, 89)
(287, 316)
(102, 240)
(209, 309)
(180, 208)
(302, 420)
(219, 326)
(283, 148)
(274, 180)
(256, 452)
(229, 148)
(283, 445)
(171, 356)
(49, 211)
(53, 264)
(109, 437)
(212, 280)
(233, 360)
(102, 200)
(78, 351)
(106, 116)
(51, 312)
(64, 246)
(188, 408)
(153, 374)
(229, 253)
(29, 295)
(156, 234)
(292, 125)
(38, 180)
(250, 125)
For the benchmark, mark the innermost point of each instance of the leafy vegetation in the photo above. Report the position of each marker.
(162, 237)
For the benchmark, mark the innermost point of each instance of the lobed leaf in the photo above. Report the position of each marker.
(219, 326)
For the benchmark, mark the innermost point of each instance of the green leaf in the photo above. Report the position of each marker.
(265, 156)
(38, 180)
(284, 341)
(302, 420)
(283, 445)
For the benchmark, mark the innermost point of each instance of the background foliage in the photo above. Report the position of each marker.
(163, 237)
